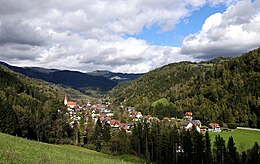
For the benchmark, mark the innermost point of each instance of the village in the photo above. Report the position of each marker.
(101, 111)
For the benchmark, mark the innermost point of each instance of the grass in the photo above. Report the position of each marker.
(19, 150)
(244, 139)
(163, 101)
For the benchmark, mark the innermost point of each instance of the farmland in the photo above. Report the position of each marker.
(244, 139)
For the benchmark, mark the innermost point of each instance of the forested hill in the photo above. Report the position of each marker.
(29, 108)
(224, 90)
(77, 80)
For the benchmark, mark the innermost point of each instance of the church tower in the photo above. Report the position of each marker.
(65, 100)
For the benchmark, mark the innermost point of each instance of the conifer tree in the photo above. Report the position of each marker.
(233, 156)
(208, 152)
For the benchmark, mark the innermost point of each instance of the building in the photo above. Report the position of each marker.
(214, 127)
(70, 104)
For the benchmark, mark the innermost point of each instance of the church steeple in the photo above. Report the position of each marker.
(65, 100)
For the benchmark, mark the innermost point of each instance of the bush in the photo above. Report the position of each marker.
(90, 146)
(232, 126)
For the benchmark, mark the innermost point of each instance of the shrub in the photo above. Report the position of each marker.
(232, 125)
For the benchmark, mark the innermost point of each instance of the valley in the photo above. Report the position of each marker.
(188, 106)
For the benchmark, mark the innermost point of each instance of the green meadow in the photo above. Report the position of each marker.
(244, 139)
(19, 150)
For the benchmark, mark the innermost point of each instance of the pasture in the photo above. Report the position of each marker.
(19, 150)
(244, 139)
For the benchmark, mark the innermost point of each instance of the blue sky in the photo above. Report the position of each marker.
(125, 35)
(189, 25)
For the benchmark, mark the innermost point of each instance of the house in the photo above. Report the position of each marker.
(214, 127)
(110, 114)
(124, 126)
(196, 123)
(188, 125)
(70, 104)
(114, 123)
(188, 116)
(139, 115)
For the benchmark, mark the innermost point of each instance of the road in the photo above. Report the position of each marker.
(243, 128)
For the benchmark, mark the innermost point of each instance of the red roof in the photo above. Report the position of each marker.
(188, 114)
(114, 122)
(214, 125)
(71, 103)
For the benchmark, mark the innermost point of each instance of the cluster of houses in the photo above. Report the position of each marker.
(188, 123)
(103, 112)
(100, 111)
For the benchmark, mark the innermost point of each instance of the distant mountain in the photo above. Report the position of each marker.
(118, 77)
(101, 81)
(221, 90)
(74, 79)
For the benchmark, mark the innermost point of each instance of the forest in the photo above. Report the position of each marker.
(165, 142)
(32, 109)
(224, 90)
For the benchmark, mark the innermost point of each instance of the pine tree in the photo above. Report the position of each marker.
(219, 150)
(208, 152)
(254, 154)
(233, 156)
(198, 147)
(96, 137)
(106, 132)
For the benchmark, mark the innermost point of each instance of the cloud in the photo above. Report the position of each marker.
(226, 34)
(89, 35)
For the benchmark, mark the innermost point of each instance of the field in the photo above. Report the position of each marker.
(244, 139)
(18, 150)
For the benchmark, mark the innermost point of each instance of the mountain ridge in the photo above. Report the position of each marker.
(99, 80)
(223, 90)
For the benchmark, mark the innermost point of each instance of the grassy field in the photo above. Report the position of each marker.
(244, 139)
(18, 150)
(163, 101)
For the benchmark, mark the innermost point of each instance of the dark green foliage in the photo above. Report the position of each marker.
(224, 90)
(29, 108)
(106, 136)
(120, 143)
(220, 151)
(232, 156)
(232, 126)
(97, 135)
(208, 152)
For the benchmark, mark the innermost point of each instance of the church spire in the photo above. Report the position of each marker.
(65, 100)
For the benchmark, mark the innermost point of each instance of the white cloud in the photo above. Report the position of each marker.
(228, 34)
(88, 35)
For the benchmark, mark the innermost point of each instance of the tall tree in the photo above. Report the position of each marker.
(219, 150)
(208, 152)
(233, 156)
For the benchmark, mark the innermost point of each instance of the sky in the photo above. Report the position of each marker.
(131, 36)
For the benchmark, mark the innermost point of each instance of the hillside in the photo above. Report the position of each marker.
(77, 80)
(92, 83)
(118, 77)
(29, 108)
(223, 90)
(18, 150)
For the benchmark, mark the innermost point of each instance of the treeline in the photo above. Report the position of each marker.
(31, 109)
(162, 142)
(221, 90)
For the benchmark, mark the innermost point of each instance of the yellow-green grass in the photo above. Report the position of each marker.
(244, 139)
(19, 150)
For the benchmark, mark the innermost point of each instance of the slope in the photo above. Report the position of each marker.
(223, 90)
(18, 150)
(118, 77)
(32, 108)
(77, 80)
